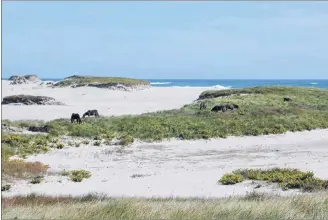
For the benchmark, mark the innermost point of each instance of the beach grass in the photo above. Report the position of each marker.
(253, 206)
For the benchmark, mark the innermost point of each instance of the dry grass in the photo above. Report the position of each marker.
(93, 207)
(21, 169)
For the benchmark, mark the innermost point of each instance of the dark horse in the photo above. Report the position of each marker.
(217, 108)
(287, 99)
(76, 116)
(90, 113)
(202, 106)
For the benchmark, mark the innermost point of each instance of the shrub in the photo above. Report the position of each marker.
(86, 142)
(97, 143)
(60, 146)
(109, 135)
(287, 178)
(77, 144)
(230, 179)
(64, 173)
(37, 180)
(126, 140)
(97, 138)
(22, 169)
(45, 148)
(5, 187)
(79, 175)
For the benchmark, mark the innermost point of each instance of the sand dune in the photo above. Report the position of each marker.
(170, 168)
(107, 102)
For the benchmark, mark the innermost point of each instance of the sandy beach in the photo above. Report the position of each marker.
(172, 168)
(107, 102)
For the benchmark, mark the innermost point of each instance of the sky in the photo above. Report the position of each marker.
(166, 39)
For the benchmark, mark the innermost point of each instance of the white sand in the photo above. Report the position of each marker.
(172, 168)
(180, 168)
(107, 102)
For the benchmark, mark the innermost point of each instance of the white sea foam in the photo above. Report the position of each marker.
(221, 87)
(160, 83)
(216, 87)
(314, 83)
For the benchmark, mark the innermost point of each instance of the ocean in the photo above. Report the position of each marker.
(227, 83)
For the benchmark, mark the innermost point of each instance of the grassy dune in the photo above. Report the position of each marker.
(253, 206)
(93, 80)
(261, 111)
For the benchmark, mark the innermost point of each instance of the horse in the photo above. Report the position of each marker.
(90, 113)
(76, 117)
(202, 106)
(217, 108)
(287, 99)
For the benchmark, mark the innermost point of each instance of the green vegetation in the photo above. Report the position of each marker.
(37, 179)
(261, 111)
(76, 175)
(97, 143)
(98, 81)
(5, 187)
(60, 146)
(24, 144)
(231, 178)
(287, 178)
(99, 207)
(125, 140)
(65, 173)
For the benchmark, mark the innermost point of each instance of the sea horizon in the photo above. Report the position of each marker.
(227, 83)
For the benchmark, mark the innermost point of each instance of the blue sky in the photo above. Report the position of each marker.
(210, 40)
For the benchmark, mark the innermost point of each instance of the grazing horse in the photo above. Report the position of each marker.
(232, 106)
(287, 99)
(90, 113)
(202, 106)
(217, 108)
(76, 116)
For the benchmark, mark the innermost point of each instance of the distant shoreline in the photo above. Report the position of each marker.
(229, 83)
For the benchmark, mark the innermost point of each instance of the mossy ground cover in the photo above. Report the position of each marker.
(261, 111)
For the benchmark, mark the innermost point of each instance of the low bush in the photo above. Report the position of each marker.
(79, 175)
(97, 143)
(60, 146)
(287, 178)
(5, 187)
(126, 140)
(37, 180)
(64, 173)
(22, 169)
(230, 179)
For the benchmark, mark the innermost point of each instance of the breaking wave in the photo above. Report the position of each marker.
(160, 83)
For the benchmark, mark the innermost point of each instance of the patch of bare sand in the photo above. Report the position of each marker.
(180, 168)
